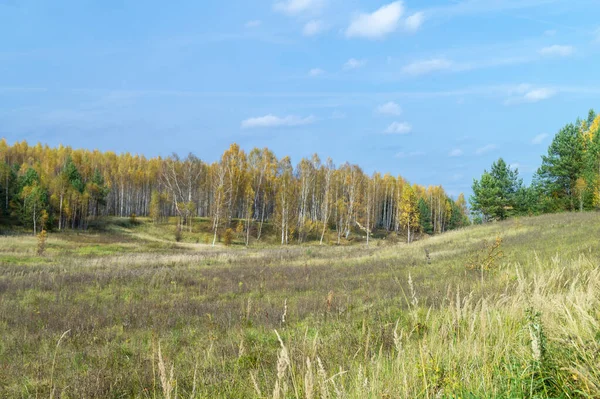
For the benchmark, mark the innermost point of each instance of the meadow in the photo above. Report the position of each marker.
(502, 310)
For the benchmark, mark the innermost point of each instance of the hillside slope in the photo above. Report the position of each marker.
(380, 321)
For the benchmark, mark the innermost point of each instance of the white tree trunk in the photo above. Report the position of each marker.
(34, 220)
(60, 217)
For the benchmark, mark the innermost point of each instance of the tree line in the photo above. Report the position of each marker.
(64, 188)
(568, 178)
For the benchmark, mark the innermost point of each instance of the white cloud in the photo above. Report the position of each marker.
(276, 121)
(539, 138)
(353, 63)
(428, 66)
(457, 152)
(538, 95)
(550, 32)
(402, 154)
(390, 108)
(316, 72)
(528, 94)
(414, 22)
(377, 24)
(253, 24)
(486, 149)
(295, 7)
(557, 51)
(313, 28)
(398, 128)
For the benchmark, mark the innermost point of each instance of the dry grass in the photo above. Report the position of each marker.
(307, 322)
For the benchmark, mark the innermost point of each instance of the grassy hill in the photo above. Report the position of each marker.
(125, 311)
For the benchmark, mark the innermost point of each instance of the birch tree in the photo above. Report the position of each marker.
(328, 170)
(409, 216)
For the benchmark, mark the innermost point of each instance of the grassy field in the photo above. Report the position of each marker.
(127, 312)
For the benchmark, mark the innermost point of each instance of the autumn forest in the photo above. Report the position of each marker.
(64, 188)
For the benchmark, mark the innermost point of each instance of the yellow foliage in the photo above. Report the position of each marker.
(595, 127)
(228, 237)
(41, 244)
(487, 256)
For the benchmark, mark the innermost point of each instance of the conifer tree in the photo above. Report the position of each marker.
(563, 166)
(425, 217)
(495, 194)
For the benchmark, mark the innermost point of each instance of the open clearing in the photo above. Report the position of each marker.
(127, 313)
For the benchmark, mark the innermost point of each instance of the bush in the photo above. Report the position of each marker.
(239, 228)
(41, 244)
(228, 237)
(487, 257)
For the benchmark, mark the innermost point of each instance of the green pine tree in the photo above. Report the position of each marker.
(495, 195)
(562, 167)
(73, 175)
(425, 217)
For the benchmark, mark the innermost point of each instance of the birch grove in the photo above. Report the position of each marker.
(64, 188)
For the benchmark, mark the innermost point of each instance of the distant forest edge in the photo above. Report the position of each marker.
(63, 188)
(567, 180)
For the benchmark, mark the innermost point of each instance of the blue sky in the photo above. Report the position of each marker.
(432, 90)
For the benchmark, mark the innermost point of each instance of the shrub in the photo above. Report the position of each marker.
(486, 257)
(41, 243)
(228, 237)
